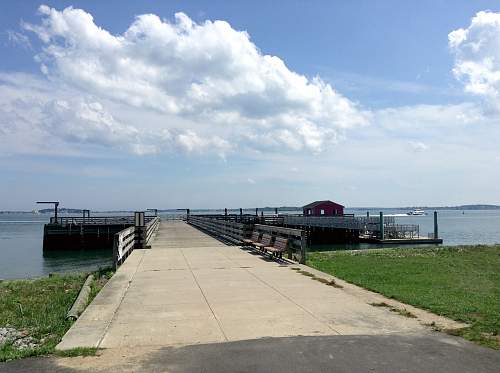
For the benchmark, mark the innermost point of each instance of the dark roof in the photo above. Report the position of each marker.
(317, 203)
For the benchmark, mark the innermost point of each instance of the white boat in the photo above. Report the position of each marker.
(417, 212)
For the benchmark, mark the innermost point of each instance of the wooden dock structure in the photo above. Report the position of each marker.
(123, 233)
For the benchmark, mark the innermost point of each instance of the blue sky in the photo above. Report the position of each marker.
(367, 103)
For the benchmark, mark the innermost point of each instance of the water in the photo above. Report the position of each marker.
(21, 236)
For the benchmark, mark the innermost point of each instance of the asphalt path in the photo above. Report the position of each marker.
(388, 353)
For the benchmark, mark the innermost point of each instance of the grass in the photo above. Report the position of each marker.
(79, 351)
(403, 312)
(319, 279)
(39, 307)
(462, 283)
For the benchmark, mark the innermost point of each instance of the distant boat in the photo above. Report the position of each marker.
(35, 212)
(417, 212)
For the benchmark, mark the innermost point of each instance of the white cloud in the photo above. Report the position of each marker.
(477, 56)
(37, 116)
(418, 146)
(19, 39)
(206, 73)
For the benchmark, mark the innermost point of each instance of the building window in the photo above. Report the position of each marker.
(322, 212)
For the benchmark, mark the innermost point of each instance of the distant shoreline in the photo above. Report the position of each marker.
(282, 208)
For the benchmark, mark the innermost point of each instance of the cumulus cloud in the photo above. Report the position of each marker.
(418, 146)
(36, 116)
(477, 55)
(19, 39)
(207, 73)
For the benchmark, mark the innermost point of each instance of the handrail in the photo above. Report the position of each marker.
(123, 245)
(236, 232)
(96, 220)
(297, 239)
(133, 237)
(151, 229)
(230, 230)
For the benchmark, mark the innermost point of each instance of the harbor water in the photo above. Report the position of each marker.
(21, 235)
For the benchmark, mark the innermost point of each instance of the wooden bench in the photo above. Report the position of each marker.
(266, 241)
(280, 246)
(254, 239)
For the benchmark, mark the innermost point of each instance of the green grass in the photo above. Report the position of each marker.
(39, 307)
(462, 283)
(79, 351)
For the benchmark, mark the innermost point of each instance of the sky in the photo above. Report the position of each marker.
(213, 104)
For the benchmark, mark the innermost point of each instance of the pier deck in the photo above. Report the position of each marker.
(190, 288)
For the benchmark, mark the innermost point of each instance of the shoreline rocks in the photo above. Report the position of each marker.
(19, 339)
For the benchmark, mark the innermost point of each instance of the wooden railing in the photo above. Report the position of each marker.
(230, 230)
(96, 220)
(235, 232)
(173, 217)
(245, 219)
(123, 245)
(297, 240)
(151, 229)
(133, 237)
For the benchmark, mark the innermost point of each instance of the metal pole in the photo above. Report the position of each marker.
(436, 225)
(256, 211)
(276, 211)
(381, 225)
(56, 204)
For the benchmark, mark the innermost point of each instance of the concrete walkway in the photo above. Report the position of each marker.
(190, 289)
(164, 308)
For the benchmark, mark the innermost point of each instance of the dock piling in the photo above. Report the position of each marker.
(381, 222)
(436, 225)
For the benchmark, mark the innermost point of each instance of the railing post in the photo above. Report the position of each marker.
(115, 250)
(303, 244)
(139, 229)
(381, 222)
(436, 225)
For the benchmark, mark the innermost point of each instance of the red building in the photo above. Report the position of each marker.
(323, 208)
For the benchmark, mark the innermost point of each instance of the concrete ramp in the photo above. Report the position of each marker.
(190, 288)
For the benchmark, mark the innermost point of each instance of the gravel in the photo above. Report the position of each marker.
(19, 339)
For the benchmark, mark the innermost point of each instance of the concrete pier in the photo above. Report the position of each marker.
(190, 288)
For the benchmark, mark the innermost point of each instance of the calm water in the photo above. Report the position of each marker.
(21, 237)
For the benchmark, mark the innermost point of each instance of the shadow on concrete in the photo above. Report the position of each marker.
(389, 353)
